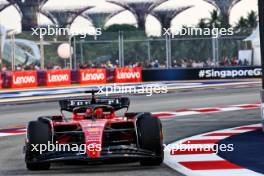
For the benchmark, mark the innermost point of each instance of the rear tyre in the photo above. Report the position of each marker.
(150, 138)
(38, 132)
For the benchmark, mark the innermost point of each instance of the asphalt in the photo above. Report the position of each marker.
(11, 158)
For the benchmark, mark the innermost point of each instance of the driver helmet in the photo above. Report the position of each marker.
(99, 113)
(88, 113)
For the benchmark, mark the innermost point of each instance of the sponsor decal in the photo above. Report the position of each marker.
(236, 73)
(91, 76)
(24, 79)
(93, 129)
(58, 77)
(1, 82)
(128, 75)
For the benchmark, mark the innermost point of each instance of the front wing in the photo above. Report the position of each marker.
(107, 153)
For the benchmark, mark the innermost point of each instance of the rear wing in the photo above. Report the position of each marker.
(117, 103)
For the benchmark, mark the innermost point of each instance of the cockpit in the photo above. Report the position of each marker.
(93, 112)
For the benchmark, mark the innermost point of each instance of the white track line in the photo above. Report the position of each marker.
(197, 164)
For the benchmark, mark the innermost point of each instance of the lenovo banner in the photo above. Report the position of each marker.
(92, 76)
(24, 79)
(58, 77)
(1, 82)
(123, 75)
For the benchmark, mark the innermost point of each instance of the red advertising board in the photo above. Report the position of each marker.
(1, 82)
(24, 79)
(92, 76)
(58, 77)
(123, 75)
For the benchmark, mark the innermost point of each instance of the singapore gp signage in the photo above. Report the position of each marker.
(201, 73)
(24, 79)
(92, 76)
(58, 77)
(233, 73)
(123, 75)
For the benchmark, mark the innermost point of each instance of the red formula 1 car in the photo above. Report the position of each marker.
(94, 133)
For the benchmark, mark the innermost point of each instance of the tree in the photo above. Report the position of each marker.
(245, 26)
(252, 19)
(140, 9)
(166, 15)
(214, 21)
(224, 7)
(120, 27)
(28, 10)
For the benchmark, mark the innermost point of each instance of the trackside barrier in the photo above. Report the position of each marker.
(124, 75)
(58, 77)
(6, 79)
(75, 77)
(28, 79)
(41, 74)
(24, 79)
(110, 75)
(1, 82)
(201, 73)
(92, 76)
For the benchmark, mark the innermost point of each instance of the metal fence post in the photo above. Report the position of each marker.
(70, 59)
(81, 51)
(13, 52)
(42, 57)
(74, 54)
(168, 51)
(261, 32)
(149, 54)
(1, 50)
(121, 48)
(213, 51)
(217, 50)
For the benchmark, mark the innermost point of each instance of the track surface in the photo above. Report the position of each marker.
(11, 159)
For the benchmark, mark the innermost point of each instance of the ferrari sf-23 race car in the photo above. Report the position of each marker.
(95, 125)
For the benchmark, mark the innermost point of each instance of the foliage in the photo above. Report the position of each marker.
(120, 27)
(136, 43)
(245, 26)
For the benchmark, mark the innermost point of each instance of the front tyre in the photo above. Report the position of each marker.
(38, 132)
(150, 138)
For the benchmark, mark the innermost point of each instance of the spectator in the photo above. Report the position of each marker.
(246, 63)
(4, 68)
(109, 64)
(156, 64)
